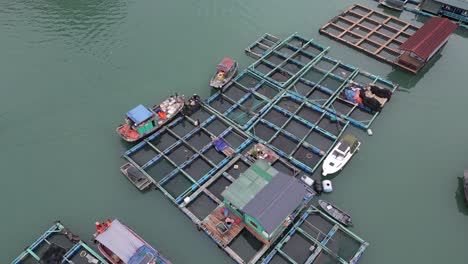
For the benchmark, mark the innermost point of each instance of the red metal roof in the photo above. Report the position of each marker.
(225, 64)
(429, 37)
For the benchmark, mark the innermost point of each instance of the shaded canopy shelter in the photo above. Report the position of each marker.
(120, 240)
(225, 65)
(425, 42)
(139, 114)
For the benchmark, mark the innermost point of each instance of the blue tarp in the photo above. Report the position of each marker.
(139, 114)
(146, 255)
(220, 144)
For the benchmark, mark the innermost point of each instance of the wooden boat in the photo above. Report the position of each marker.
(335, 212)
(340, 155)
(397, 5)
(135, 176)
(142, 121)
(225, 71)
(120, 245)
(465, 184)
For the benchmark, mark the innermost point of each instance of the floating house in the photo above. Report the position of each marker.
(454, 9)
(265, 199)
(424, 43)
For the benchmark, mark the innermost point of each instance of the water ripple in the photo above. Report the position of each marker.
(87, 25)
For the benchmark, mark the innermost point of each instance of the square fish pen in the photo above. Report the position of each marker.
(298, 131)
(317, 238)
(323, 84)
(285, 61)
(244, 98)
(203, 208)
(261, 46)
(372, 32)
(181, 156)
(58, 245)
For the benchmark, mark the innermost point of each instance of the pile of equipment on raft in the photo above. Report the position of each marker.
(371, 98)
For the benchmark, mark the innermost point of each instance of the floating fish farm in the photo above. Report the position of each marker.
(59, 245)
(287, 103)
(372, 32)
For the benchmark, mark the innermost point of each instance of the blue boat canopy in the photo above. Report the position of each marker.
(139, 114)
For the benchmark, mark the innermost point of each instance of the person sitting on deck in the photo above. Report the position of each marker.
(162, 115)
(220, 76)
(99, 227)
(229, 221)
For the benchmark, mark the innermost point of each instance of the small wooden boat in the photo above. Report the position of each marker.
(340, 155)
(226, 70)
(120, 245)
(142, 121)
(465, 184)
(135, 176)
(397, 5)
(336, 212)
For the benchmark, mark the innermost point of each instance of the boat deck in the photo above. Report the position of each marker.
(317, 238)
(57, 237)
(372, 32)
(211, 222)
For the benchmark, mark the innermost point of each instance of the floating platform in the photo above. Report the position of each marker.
(181, 156)
(323, 84)
(317, 238)
(261, 46)
(59, 241)
(372, 32)
(203, 208)
(285, 61)
(284, 119)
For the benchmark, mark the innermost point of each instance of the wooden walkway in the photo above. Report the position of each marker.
(372, 32)
(217, 217)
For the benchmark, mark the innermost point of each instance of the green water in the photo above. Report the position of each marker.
(71, 69)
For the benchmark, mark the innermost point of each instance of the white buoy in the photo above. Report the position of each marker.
(327, 186)
(369, 132)
(307, 180)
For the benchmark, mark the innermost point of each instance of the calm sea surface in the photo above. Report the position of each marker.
(71, 69)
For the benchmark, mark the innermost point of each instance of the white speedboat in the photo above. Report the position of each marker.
(340, 155)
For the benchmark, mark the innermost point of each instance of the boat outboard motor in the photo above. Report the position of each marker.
(318, 186)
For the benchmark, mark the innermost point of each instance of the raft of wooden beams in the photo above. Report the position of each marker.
(372, 32)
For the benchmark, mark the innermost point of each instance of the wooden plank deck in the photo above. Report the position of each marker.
(371, 32)
(217, 217)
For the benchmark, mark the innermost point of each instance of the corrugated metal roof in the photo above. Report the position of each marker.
(463, 4)
(276, 201)
(429, 37)
(249, 183)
